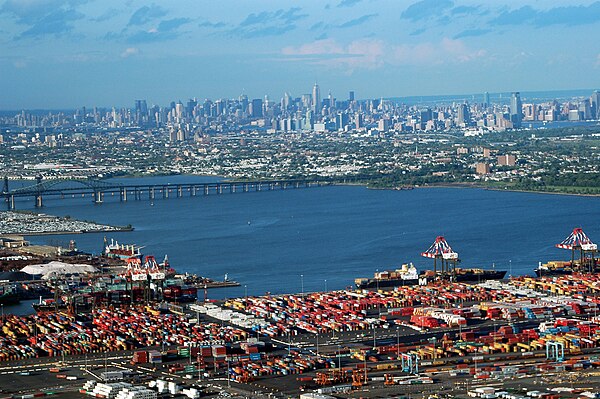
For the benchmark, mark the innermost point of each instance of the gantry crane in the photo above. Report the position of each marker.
(440, 249)
(579, 241)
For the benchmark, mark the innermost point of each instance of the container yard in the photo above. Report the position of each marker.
(409, 340)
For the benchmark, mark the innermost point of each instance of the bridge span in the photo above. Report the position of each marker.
(97, 190)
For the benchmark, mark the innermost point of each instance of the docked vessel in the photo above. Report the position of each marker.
(477, 275)
(408, 275)
(50, 305)
(119, 251)
(560, 268)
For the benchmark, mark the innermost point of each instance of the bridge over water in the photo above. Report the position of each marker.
(96, 190)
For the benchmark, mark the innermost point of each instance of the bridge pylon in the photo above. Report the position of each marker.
(38, 195)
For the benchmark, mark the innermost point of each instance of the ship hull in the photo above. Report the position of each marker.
(555, 272)
(387, 283)
(476, 277)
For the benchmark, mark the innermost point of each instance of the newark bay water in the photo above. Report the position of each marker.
(330, 235)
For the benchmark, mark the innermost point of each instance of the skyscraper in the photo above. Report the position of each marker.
(256, 108)
(462, 118)
(351, 96)
(516, 109)
(596, 104)
(287, 101)
(316, 99)
(486, 99)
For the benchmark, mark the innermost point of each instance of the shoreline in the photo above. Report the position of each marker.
(50, 233)
(467, 186)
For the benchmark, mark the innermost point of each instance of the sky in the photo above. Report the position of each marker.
(70, 53)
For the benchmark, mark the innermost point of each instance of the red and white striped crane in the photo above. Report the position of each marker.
(440, 249)
(579, 241)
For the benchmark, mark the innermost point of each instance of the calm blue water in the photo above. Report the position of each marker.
(331, 235)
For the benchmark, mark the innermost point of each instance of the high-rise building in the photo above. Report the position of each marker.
(243, 99)
(462, 118)
(595, 100)
(316, 99)
(351, 96)
(287, 101)
(585, 109)
(426, 115)
(341, 120)
(256, 108)
(506, 160)
(516, 109)
(486, 99)
(482, 168)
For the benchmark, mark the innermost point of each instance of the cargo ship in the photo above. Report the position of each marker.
(119, 251)
(560, 268)
(50, 306)
(408, 275)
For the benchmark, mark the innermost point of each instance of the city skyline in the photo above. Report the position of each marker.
(63, 53)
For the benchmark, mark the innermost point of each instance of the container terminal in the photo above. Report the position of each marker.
(525, 337)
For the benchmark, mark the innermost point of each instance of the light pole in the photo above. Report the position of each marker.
(302, 284)
(374, 339)
(325, 285)
(397, 343)
(245, 297)
(339, 357)
(509, 268)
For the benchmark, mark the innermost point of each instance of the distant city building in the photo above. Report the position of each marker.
(462, 118)
(383, 125)
(516, 109)
(595, 100)
(506, 160)
(341, 121)
(486, 99)
(256, 108)
(316, 98)
(482, 168)
(351, 96)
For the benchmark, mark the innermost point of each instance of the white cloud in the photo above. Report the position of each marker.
(129, 52)
(372, 53)
(364, 53)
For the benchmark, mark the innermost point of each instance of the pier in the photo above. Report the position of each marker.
(97, 190)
